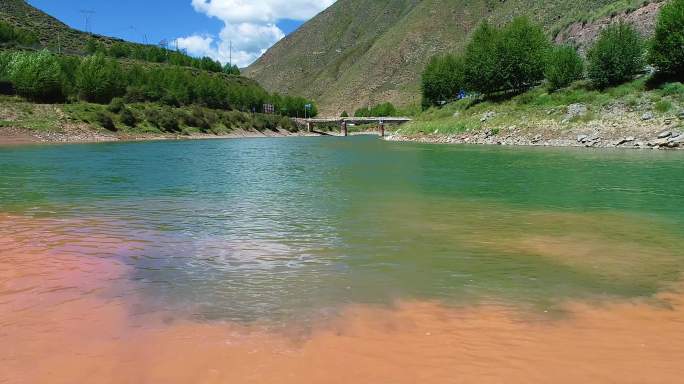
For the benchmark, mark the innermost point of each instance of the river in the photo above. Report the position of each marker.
(339, 260)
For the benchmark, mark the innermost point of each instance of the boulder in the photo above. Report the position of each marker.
(681, 115)
(625, 141)
(488, 115)
(664, 134)
(647, 116)
(582, 138)
(575, 110)
(658, 143)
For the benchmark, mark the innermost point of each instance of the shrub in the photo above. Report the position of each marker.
(128, 118)
(663, 106)
(667, 51)
(153, 117)
(673, 89)
(169, 121)
(10, 34)
(116, 105)
(616, 56)
(344, 114)
(99, 79)
(563, 66)
(37, 76)
(443, 79)
(105, 120)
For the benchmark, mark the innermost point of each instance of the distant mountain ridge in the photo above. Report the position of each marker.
(363, 52)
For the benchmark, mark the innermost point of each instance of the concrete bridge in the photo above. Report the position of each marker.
(344, 121)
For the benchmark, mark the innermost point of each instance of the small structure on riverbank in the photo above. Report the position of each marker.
(343, 122)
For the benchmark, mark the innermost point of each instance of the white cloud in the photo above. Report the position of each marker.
(249, 24)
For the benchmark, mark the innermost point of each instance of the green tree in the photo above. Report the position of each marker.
(383, 110)
(616, 56)
(443, 79)
(482, 69)
(119, 50)
(37, 76)
(99, 79)
(231, 69)
(563, 66)
(521, 53)
(667, 51)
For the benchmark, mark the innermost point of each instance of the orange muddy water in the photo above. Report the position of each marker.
(69, 314)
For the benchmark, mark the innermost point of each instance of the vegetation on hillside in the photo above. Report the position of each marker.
(155, 54)
(45, 77)
(667, 50)
(11, 35)
(616, 56)
(360, 50)
(613, 62)
(380, 110)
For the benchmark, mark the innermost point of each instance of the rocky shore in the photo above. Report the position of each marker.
(85, 134)
(616, 128)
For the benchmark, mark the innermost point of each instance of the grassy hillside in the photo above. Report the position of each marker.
(50, 31)
(361, 52)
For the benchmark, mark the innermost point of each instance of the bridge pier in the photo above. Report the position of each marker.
(343, 128)
(309, 126)
(382, 129)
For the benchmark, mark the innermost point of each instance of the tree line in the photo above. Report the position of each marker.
(518, 56)
(155, 54)
(45, 77)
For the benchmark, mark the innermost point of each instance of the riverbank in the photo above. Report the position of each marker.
(633, 115)
(599, 134)
(23, 122)
(18, 136)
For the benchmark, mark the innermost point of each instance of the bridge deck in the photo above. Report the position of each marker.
(357, 120)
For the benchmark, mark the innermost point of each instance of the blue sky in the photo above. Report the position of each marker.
(202, 27)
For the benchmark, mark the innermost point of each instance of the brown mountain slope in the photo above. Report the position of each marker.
(361, 52)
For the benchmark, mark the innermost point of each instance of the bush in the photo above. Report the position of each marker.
(99, 79)
(128, 118)
(10, 34)
(616, 57)
(37, 76)
(116, 105)
(563, 66)
(443, 79)
(169, 121)
(344, 114)
(105, 120)
(667, 51)
(153, 117)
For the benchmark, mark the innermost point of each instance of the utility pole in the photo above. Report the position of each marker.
(87, 14)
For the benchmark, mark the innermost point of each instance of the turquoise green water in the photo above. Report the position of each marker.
(279, 228)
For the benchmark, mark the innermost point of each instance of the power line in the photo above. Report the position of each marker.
(87, 14)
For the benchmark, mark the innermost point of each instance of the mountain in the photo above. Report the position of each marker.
(51, 32)
(363, 52)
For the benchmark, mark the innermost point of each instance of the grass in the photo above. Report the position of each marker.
(539, 106)
(149, 118)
